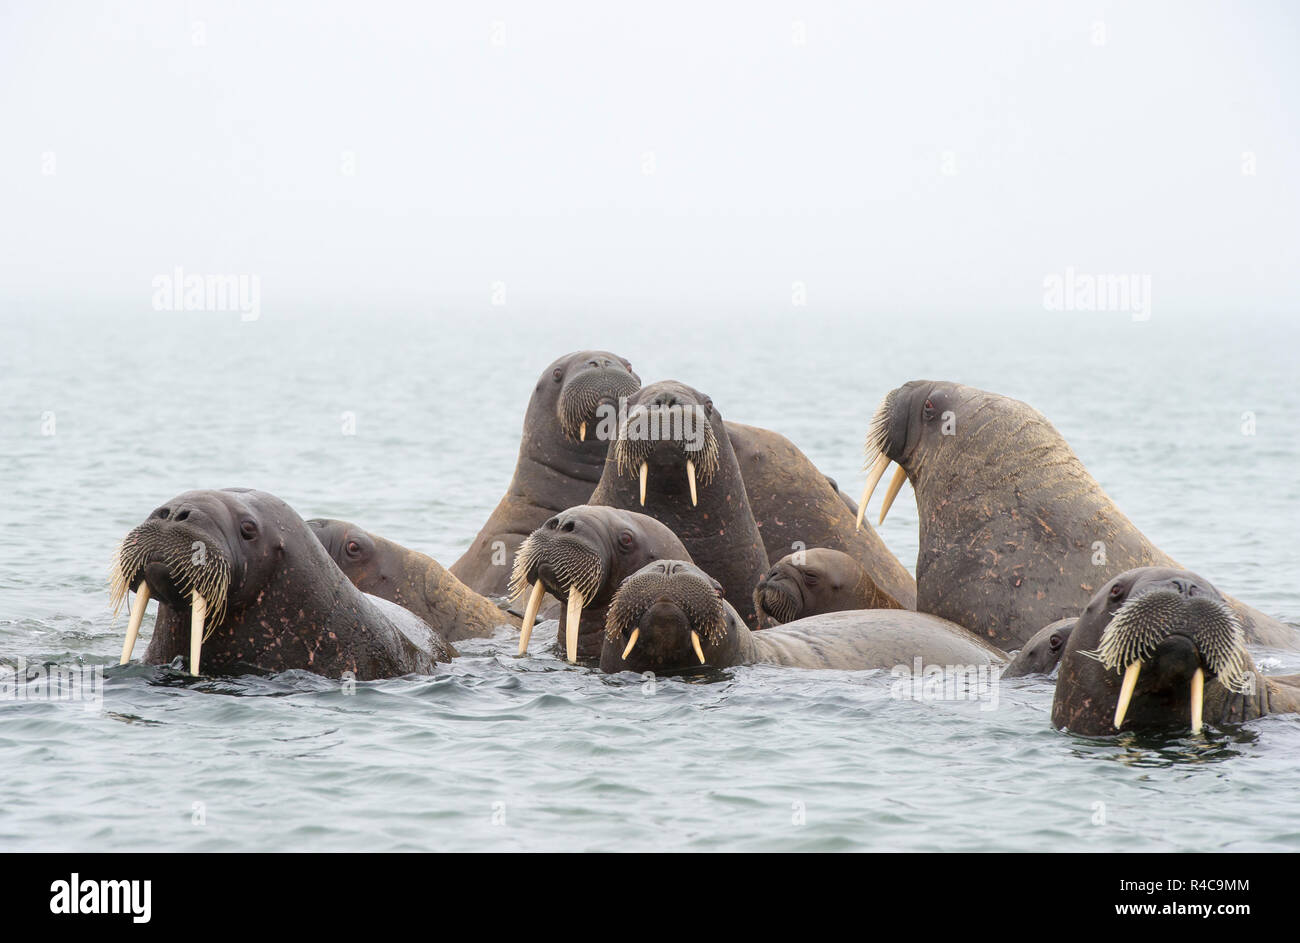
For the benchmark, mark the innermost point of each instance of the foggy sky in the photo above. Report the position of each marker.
(900, 156)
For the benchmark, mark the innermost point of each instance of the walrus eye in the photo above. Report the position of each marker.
(558, 374)
(929, 409)
(353, 548)
(1054, 642)
(625, 540)
(810, 579)
(1116, 591)
(248, 530)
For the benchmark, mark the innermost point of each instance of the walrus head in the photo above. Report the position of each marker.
(814, 581)
(581, 556)
(929, 424)
(1042, 653)
(668, 616)
(580, 383)
(1156, 648)
(353, 549)
(668, 435)
(203, 554)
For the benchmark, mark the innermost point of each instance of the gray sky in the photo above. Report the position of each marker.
(789, 142)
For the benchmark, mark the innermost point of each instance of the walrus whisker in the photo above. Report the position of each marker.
(208, 581)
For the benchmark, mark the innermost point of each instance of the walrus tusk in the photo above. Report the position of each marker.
(571, 625)
(631, 643)
(873, 479)
(1126, 691)
(137, 616)
(198, 613)
(900, 476)
(1198, 700)
(690, 476)
(582, 432)
(645, 473)
(530, 615)
(695, 644)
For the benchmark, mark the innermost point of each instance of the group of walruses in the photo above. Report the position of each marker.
(660, 538)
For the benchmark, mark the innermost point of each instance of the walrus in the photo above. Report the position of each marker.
(560, 461)
(1042, 653)
(1158, 648)
(669, 461)
(581, 556)
(670, 616)
(411, 579)
(796, 506)
(1014, 531)
(811, 582)
(242, 585)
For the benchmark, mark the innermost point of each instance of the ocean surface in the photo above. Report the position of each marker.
(109, 412)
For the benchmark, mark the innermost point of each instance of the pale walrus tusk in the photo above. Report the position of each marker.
(198, 613)
(690, 476)
(873, 479)
(695, 644)
(631, 643)
(571, 625)
(645, 473)
(530, 615)
(137, 616)
(1126, 691)
(1198, 700)
(900, 476)
(582, 432)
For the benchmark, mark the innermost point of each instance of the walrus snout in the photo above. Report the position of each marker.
(591, 392)
(669, 426)
(777, 598)
(177, 556)
(664, 615)
(1168, 634)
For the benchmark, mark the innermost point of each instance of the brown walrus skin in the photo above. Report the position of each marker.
(1014, 531)
(411, 579)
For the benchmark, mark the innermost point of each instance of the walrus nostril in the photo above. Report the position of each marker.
(568, 526)
(162, 513)
(182, 515)
(553, 523)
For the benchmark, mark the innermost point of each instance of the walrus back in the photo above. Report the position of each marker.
(856, 640)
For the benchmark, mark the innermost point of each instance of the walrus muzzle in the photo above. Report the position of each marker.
(578, 401)
(192, 570)
(775, 602)
(573, 569)
(1142, 623)
(645, 426)
(695, 597)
